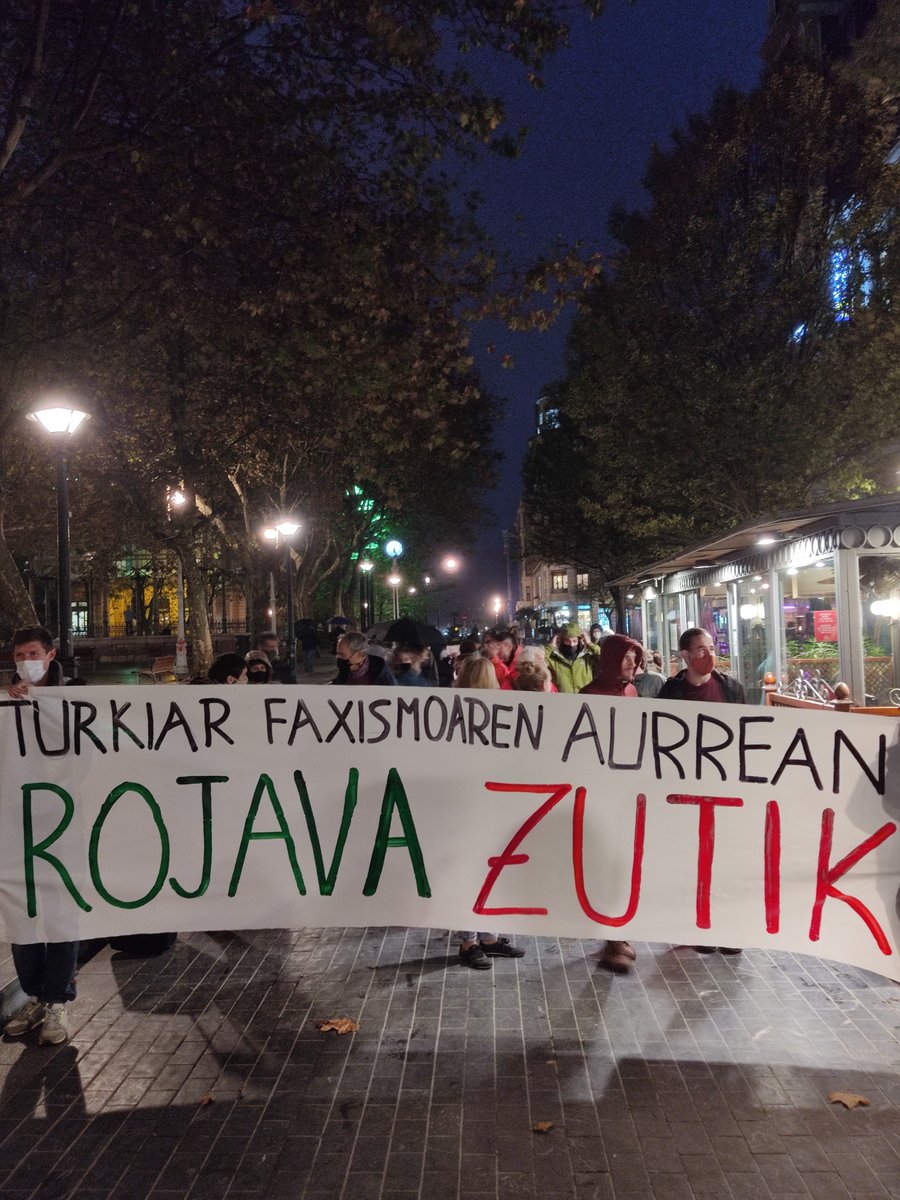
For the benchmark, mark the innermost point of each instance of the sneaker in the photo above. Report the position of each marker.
(617, 957)
(706, 949)
(475, 958)
(730, 949)
(26, 1017)
(502, 948)
(55, 1027)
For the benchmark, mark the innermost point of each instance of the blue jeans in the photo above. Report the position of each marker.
(46, 970)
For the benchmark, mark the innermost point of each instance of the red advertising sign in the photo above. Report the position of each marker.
(825, 621)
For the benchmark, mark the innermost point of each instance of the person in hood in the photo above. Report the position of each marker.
(615, 667)
(570, 659)
(614, 670)
(259, 668)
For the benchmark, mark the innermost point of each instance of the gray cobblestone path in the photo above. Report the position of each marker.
(202, 1075)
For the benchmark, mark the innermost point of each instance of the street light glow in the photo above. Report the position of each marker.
(394, 580)
(366, 565)
(287, 527)
(58, 414)
(451, 563)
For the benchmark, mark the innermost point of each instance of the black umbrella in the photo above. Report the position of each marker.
(408, 630)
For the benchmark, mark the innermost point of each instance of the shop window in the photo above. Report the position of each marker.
(757, 659)
(714, 619)
(809, 630)
(879, 593)
(559, 581)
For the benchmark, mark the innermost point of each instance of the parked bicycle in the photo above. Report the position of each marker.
(808, 686)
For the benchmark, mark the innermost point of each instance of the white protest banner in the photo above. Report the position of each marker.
(134, 810)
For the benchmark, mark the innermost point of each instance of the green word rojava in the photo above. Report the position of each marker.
(394, 802)
(78, 726)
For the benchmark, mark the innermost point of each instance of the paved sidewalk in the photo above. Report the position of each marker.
(202, 1074)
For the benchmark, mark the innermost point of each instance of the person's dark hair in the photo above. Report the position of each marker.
(33, 633)
(684, 642)
(467, 646)
(414, 648)
(500, 633)
(527, 681)
(225, 665)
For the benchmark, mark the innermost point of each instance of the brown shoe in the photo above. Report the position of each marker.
(617, 957)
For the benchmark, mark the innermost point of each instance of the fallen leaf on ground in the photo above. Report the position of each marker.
(338, 1025)
(207, 1099)
(542, 1126)
(848, 1099)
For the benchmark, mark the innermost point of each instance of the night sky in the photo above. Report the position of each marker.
(625, 82)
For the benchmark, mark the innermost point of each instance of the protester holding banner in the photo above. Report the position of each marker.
(530, 673)
(615, 667)
(477, 949)
(614, 671)
(702, 683)
(46, 970)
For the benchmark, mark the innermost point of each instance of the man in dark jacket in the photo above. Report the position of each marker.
(700, 681)
(46, 970)
(355, 665)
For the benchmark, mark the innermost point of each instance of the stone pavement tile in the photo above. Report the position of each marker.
(824, 1185)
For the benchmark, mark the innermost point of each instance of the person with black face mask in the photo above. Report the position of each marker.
(570, 659)
(355, 665)
(259, 669)
(406, 662)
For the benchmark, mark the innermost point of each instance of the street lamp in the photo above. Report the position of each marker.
(498, 604)
(395, 581)
(61, 417)
(394, 549)
(365, 593)
(283, 531)
(176, 502)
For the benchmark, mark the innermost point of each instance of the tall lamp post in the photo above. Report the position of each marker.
(283, 531)
(365, 598)
(176, 502)
(61, 416)
(394, 549)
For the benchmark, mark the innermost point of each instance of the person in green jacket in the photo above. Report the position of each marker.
(570, 657)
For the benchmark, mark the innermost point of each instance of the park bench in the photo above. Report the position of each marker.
(161, 670)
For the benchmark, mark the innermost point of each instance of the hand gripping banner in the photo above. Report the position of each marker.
(136, 810)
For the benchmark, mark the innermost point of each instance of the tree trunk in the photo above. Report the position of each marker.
(16, 608)
(201, 638)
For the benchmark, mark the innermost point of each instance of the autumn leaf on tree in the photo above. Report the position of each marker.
(848, 1099)
(338, 1025)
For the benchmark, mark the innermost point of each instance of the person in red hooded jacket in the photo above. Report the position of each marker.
(619, 659)
(614, 670)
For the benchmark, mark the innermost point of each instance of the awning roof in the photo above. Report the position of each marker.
(738, 542)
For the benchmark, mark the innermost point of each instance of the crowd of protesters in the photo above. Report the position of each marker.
(599, 663)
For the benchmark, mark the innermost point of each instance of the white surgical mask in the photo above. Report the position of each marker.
(32, 670)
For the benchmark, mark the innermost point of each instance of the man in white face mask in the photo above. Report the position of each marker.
(46, 970)
(35, 662)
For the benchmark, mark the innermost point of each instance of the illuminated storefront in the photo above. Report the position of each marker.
(813, 593)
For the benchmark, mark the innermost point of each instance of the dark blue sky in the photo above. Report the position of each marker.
(625, 81)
